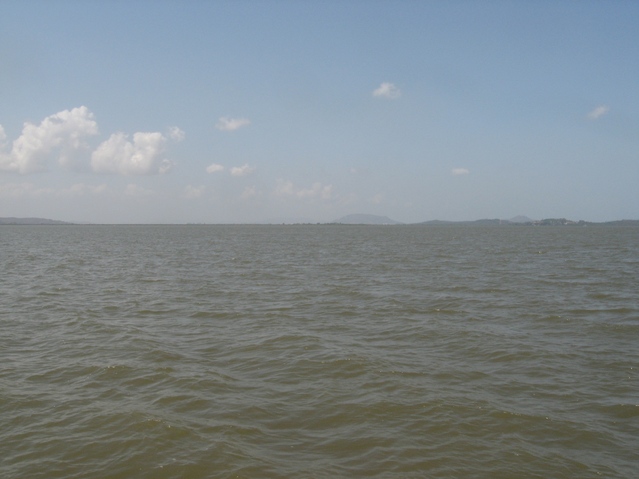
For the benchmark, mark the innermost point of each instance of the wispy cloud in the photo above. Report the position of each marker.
(176, 134)
(231, 124)
(191, 192)
(22, 190)
(387, 90)
(165, 166)
(29, 190)
(249, 193)
(286, 188)
(598, 112)
(214, 168)
(244, 170)
(460, 171)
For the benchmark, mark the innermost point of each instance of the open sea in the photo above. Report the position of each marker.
(319, 351)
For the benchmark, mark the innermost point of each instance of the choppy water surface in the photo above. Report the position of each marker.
(318, 351)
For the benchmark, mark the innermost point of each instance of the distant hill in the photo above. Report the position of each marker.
(362, 219)
(31, 221)
(622, 223)
(525, 221)
(520, 219)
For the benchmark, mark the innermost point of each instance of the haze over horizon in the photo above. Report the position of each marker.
(238, 112)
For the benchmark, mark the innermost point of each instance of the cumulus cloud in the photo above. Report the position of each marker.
(286, 188)
(244, 170)
(214, 168)
(62, 136)
(231, 124)
(387, 90)
(139, 157)
(176, 134)
(191, 192)
(63, 133)
(598, 112)
(249, 192)
(459, 171)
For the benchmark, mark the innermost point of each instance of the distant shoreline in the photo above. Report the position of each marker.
(434, 223)
(31, 221)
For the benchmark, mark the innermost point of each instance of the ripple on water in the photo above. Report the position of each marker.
(173, 352)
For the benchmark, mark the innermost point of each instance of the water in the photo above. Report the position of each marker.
(318, 351)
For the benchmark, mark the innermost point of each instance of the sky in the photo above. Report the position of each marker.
(276, 111)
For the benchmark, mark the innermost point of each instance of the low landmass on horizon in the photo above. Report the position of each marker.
(368, 219)
(31, 221)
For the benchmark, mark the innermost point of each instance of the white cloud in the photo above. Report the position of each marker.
(140, 157)
(598, 112)
(387, 90)
(286, 188)
(62, 137)
(64, 131)
(176, 134)
(191, 192)
(231, 124)
(249, 192)
(214, 168)
(244, 170)
(459, 171)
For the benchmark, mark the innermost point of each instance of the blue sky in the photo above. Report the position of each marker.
(254, 111)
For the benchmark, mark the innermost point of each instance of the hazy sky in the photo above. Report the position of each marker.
(250, 111)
